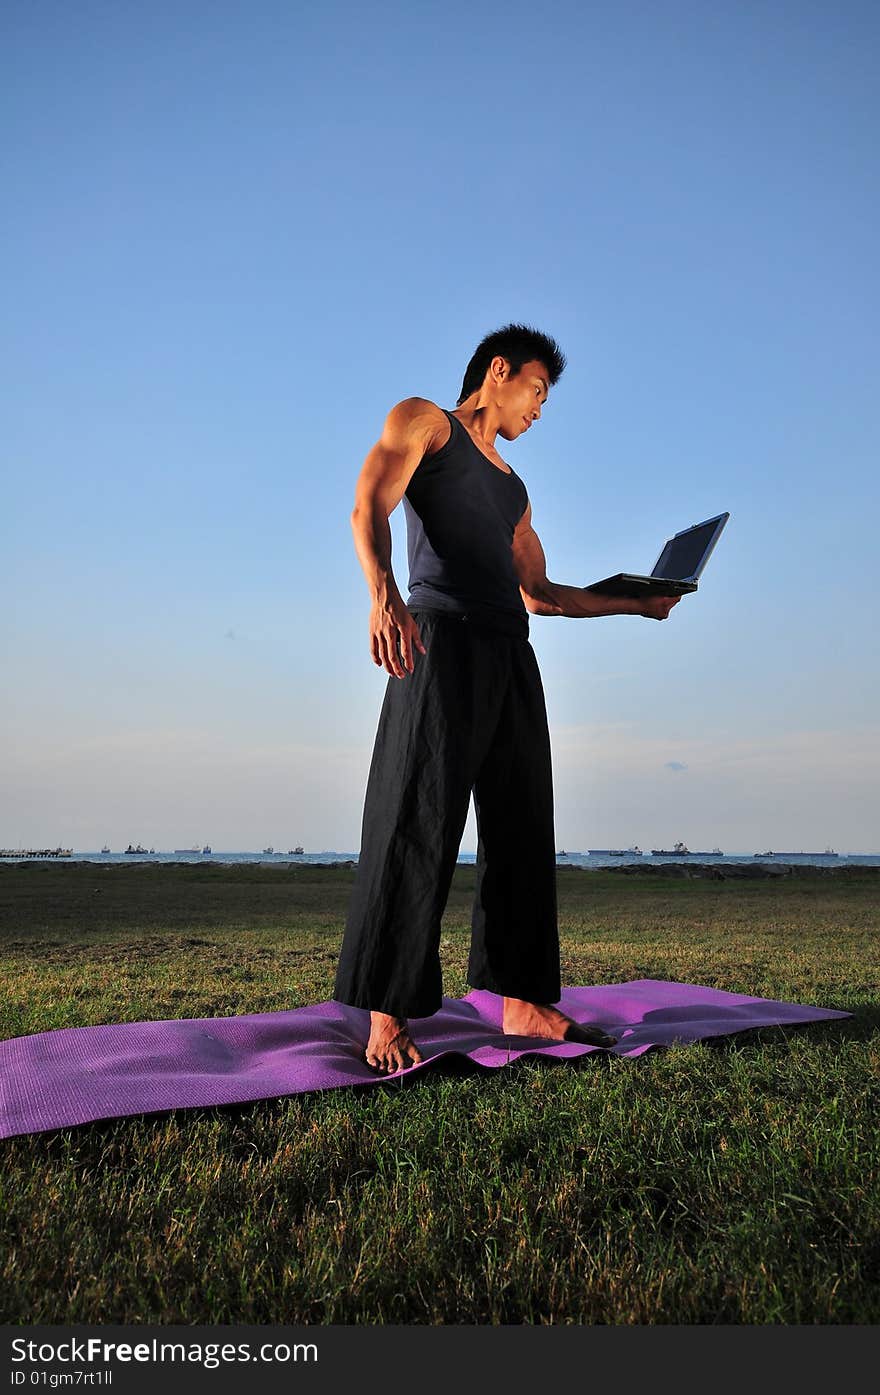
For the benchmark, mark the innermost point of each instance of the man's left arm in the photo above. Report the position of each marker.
(544, 597)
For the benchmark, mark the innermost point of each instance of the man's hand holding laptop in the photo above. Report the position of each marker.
(657, 607)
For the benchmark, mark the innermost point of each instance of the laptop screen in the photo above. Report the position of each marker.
(685, 555)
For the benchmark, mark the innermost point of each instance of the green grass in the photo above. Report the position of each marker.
(727, 1182)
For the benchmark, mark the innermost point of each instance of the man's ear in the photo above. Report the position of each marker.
(500, 367)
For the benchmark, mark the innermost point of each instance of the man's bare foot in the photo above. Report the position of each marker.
(390, 1047)
(522, 1019)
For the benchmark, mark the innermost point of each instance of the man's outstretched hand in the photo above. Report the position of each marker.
(394, 635)
(658, 607)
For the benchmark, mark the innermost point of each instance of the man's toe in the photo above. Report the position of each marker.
(589, 1036)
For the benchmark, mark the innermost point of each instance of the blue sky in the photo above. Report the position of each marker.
(237, 234)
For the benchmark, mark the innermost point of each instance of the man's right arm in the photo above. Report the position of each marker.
(412, 429)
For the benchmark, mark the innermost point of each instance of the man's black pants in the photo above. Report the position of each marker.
(471, 716)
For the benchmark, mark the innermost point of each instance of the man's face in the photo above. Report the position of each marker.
(521, 398)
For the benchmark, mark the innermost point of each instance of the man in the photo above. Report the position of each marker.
(464, 709)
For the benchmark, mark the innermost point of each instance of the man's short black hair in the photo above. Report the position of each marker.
(519, 344)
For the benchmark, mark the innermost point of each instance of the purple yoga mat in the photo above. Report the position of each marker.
(75, 1075)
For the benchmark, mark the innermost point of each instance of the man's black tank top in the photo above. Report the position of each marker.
(461, 511)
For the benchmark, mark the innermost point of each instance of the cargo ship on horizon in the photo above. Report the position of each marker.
(634, 851)
(829, 852)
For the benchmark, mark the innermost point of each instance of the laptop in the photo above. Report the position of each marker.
(678, 567)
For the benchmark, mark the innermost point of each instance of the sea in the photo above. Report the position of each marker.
(564, 858)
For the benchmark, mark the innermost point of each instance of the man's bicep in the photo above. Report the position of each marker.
(528, 554)
(394, 459)
(383, 478)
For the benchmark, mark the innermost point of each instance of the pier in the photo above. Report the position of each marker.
(36, 852)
